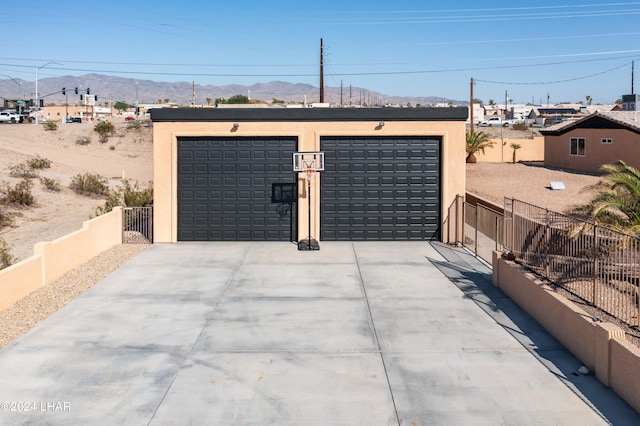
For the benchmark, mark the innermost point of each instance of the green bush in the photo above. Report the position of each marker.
(104, 130)
(127, 195)
(89, 184)
(50, 125)
(6, 258)
(38, 162)
(20, 194)
(52, 185)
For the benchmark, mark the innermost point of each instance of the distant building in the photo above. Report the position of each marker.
(631, 102)
(588, 143)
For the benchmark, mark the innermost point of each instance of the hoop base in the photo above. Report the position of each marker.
(308, 244)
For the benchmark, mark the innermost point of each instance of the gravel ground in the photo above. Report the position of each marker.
(31, 310)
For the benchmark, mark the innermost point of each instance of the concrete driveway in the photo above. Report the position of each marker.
(363, 333)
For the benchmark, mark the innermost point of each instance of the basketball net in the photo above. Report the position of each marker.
(309, 168)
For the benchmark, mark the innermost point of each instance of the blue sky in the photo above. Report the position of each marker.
(529, 49)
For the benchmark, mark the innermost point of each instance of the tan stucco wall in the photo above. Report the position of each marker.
(19, 280)
(501, 151)
(601, 346)
(53, 259)
(625, 146)
(166, 134)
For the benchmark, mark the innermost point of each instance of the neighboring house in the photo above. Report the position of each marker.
(588, 143)
(509, 112)
(544, 116)
(390, 173)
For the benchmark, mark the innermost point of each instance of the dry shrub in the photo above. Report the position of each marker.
(20, 194)
(89, 184)
(83, 140)
(52, 185)
(50, 125)
(6, 258)
(38, 163)
(22, 170)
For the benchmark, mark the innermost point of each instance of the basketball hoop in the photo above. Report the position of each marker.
(309, 173)
(308, 163)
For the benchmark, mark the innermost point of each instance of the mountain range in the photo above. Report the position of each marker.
(129, 90)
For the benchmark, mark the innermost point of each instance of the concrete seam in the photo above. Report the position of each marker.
(197, 339)
(375, 333)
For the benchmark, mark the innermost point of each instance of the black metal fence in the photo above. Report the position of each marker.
(598, 264)
(137, 225)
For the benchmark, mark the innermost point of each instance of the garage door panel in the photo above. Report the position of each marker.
(399, 179)
(224, 188)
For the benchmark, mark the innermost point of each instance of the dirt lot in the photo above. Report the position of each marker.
(128, 152)
(529, 182)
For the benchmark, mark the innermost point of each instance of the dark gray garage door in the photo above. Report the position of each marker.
(224, 188)
(380, 189)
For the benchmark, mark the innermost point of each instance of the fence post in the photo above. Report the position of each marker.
(595, 263)
(547, 243)
(475, 247)
(496, 235)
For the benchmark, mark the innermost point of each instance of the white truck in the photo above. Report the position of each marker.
(9, 117)
(499, 122)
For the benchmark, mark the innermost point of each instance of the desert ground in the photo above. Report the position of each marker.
(530, 182)
(127, 153)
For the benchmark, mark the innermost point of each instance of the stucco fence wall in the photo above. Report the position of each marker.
(601, 346)
(52, 259)
(501, 151)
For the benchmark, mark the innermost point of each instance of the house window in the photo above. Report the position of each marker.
(607, 141)
(577, 146)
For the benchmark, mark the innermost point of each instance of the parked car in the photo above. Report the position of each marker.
(129, 118)
(10, 117)
(74, 120)
(499, 122)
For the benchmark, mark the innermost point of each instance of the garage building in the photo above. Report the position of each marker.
(390, 174)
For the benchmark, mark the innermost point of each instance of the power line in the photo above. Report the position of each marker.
(556, 81)
(341, 74)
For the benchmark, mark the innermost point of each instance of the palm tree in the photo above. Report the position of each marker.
(208, 101)
(476, 141)
(617, 204)
(515, 146)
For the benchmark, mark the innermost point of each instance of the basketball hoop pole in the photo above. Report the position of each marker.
(308, 163)
(309, 176)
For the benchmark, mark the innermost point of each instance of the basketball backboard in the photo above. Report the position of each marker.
(306, 161)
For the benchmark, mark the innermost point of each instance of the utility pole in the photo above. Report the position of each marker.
(340, 93)
(350, 95)
(505, 106)
(321, 73)
(137, 107)
(471, 105)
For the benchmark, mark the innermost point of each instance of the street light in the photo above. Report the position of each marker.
(38, 100)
